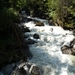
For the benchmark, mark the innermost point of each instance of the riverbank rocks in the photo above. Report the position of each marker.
(66, 49)
(27, 69)
(74, 32)
(73, 50)
(36, 71)
(24, 29)
(13, 53)
(30, 41)
(39, 24)
(36, 36)
(20, 71)
(72, 43)
(69, 49)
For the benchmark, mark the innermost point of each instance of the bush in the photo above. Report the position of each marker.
(9, 13)
(6, 15)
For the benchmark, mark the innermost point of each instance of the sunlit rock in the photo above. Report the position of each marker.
(66, 49)
(39, 24)
(73, 50)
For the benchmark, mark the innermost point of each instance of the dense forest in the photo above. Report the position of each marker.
(59, 12)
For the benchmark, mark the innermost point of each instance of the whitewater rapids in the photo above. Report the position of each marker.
(47, 51)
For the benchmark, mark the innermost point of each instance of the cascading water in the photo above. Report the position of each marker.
(46, 51)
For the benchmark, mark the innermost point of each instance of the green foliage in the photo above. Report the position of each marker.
(53, 7)
(6, 15)
(70, 18)
(62, 11)
(71, 10)
(37, 7)
(10, 13)
(9, 31)
(17, 4)
(20, 4)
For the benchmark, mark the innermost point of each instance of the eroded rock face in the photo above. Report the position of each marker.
(39, 24)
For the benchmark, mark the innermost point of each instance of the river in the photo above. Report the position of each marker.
(47, 50)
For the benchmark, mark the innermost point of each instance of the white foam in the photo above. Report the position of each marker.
(46, 52)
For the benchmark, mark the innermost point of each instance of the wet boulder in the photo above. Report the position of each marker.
(72, 43)
(29, 19)
(39, 24)
(36, 36)
(20, 71)
(73, 50)
(27, 69)
(51, 29)
(25, 29)
(30, 41)
(36, 71)
(74, 32)
(66, 49)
